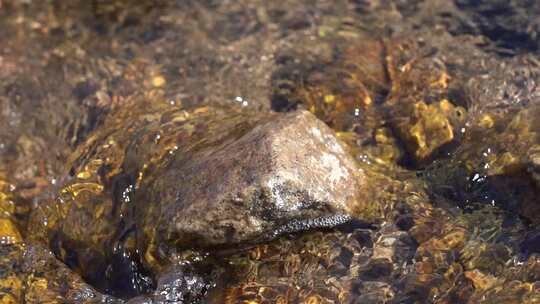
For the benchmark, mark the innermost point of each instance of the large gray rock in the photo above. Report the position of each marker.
(287, 173)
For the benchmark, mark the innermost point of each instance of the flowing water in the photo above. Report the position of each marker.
(437, 101)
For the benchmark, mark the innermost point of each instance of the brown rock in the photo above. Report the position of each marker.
(288, 173)
(427, 128)
(157, 179)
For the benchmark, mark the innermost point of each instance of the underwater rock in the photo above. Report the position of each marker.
(180, 286)
(421, 108)
(494, 164)
(427, 128)
(31, 274)
(285, 174)
(158, 179)
(394, 246)
(176, 286)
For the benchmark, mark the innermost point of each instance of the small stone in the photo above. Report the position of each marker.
(180, 285)
(486, 121)
(376, 270)
(374, 292)
(329, 98)
(9, 234)
(427, 128)
(394, 246)
(480, 280)
(158, 81)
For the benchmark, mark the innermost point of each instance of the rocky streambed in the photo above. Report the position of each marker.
(379, 151)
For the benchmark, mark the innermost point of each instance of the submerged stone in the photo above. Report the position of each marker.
(426, 128)
(289, 171)
(31, 274)
(157, 180)
(177, 285)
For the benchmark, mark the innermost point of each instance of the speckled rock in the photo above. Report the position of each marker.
(288, 173)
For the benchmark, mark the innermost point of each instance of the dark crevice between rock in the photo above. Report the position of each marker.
(125, 275)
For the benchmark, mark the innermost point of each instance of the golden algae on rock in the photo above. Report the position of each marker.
(10, 208)
(12, 289)
(9, 234)
(427, 128)
(419, 108)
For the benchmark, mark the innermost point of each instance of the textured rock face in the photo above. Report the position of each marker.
(288, 173)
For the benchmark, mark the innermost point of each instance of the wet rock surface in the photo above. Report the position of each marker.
(287, 172)
(109, 108)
